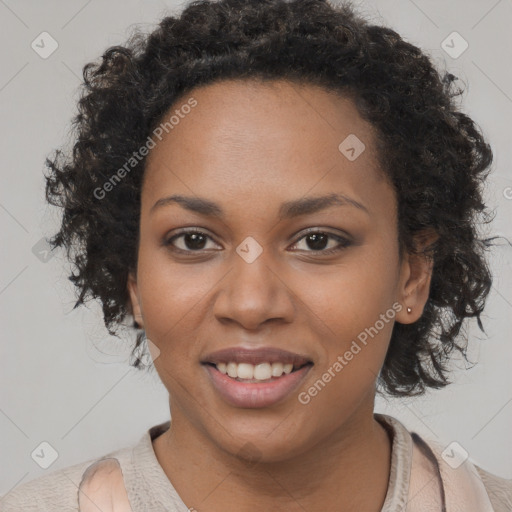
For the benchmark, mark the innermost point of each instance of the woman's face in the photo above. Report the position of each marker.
(267, 272)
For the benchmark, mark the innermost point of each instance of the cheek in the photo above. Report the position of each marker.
(168, 291)
(173, 303)
(354, 317)
(352, 355)
(350, 297)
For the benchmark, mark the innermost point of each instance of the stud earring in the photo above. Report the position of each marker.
(409, 310)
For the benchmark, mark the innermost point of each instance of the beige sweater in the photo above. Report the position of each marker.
(133, 480)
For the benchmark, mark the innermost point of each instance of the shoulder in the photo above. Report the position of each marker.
(465, 480)
(54, 491)
(84, 486)
(102, 485)
(499, 490)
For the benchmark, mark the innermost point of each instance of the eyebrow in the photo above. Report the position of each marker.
(287, 210)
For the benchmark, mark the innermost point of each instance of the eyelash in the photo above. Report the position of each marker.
(343, 242)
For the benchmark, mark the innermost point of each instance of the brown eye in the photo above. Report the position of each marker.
(190, 241)
(318, 241)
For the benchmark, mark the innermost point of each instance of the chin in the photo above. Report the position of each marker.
(278, 438)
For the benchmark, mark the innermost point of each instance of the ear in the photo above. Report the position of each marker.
(415, 277)
(135, 300)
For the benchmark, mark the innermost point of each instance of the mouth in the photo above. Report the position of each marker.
(255, 378)
(250, 373)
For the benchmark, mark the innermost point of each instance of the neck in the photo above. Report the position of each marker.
(347, 471)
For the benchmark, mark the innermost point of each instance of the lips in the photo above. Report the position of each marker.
(266, 389)
(256, 356)
(255, 395)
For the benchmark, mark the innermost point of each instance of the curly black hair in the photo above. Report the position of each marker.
(434, 155)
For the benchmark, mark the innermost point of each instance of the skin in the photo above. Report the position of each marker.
(250, 146)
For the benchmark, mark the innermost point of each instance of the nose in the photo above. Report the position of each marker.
(254, 292)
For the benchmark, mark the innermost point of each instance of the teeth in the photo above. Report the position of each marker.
(245, 371)
(277, 369)
(232, 370)
(262, 371)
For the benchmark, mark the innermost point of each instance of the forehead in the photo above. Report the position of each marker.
(276, 135)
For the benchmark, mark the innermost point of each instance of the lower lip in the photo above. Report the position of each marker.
(255, 395)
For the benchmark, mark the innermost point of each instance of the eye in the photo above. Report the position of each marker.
(318, 241)
(192, 240)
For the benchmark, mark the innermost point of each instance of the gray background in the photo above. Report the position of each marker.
(64, 380)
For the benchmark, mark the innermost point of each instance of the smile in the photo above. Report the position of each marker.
(255, 378)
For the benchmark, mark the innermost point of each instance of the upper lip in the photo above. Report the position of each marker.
(256, 356)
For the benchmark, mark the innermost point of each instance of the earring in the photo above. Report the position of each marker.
(409, 310)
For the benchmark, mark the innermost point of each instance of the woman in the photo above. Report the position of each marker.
(284, 198)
